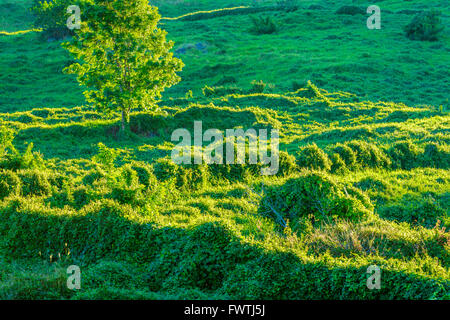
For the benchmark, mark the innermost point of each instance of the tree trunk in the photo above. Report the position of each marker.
(123, 121)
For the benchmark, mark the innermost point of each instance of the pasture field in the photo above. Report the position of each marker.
(363, 179)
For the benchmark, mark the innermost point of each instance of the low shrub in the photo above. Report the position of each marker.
(313, 157)
(436, 156)
(404, 155)
(106, 157)
(35, 182)
(337, 164)
(6, 138)
(26, 160)
(93, 175)
(425, 211)
(165, 169)
(81, 196)
(192, 177)
(145, 174)
(262, 25)
(351, 10)
(126, 187)
(257, 86)
(9, 184)
(369, 155)
(425, 26)
(346, 154)
(287, 164)
(314, 194)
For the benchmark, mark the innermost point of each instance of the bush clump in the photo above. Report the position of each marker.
(81, 197)
(350, 10)
(9, 184)
(126, 187)
(436, 156)
(426, 26)
(145, 174)
(192, 177)
(316, 194)
(27, 160)
(35, 182)
(346, 154)
(258, 86)
(313, 157)
(262, 25)
(369, 155)
(287, 164)
(404, 155)
(165, 169)
(337, 164)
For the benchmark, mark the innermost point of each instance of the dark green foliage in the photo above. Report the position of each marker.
(126, 188)
(145, 174)
(283, 276)
(262, 25)
(425, 211)
(35, 182)
(147, 124)
(287, 164)
(207, 260)
(9, 184)
(51, 16)
(350, 10)
(258, 86)
(337, 164)
(314, 194)
(113, 274)
(426, 26)
(25, 160)
(165, 169)
(404, 155)
(81, 196)
(372, 184)
(313, 157)
(346, 154)
(436, 156)
(288, 5)
(93, 175)
(369, 155)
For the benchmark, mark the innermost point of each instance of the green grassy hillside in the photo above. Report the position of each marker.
(364, 166)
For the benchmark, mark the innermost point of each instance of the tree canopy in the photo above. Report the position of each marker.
(123, 58)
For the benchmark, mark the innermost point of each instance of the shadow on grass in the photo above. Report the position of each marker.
(207, 260)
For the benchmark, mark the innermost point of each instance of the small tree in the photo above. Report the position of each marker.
(124, 59)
